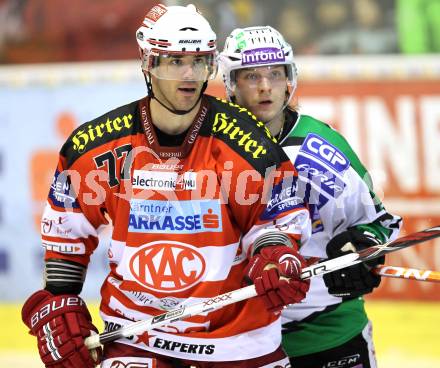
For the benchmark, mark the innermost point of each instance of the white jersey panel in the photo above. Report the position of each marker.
(338, 197)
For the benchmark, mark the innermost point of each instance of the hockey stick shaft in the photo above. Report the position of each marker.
(247, 292)
(407, 273)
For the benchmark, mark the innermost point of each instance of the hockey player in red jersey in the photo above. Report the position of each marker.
(201, 201)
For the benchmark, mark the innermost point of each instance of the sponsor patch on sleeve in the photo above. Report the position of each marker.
(283, 199)
(61, 191)
(66, 248)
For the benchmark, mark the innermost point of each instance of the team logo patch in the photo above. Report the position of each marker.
(167, 266)
(325, 152)
(177, 217)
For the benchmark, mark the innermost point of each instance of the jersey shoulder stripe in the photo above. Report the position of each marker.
(120, 122)
(240, 130)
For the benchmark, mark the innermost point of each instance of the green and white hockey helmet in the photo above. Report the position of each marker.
(255, 47)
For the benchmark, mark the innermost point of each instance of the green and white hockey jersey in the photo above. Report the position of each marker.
(340, 193)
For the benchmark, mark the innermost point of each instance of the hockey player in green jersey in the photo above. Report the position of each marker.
(330, 327)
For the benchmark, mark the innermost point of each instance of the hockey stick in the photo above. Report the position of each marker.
(407, 273)
(247, 292)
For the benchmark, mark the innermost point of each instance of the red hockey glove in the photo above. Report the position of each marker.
(276, 273)
(61, 323)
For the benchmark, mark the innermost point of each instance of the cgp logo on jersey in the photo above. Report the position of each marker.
(166, 266)
(175, 217)
(164, 180)
(325, 152)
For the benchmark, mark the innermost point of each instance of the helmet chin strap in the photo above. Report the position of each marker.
(174, 111)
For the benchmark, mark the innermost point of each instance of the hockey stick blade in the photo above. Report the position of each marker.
(247, 292)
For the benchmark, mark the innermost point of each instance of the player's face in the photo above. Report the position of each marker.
(178, 80)
(261, 90)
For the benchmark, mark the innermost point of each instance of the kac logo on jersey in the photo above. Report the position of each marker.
(324, 151)
(167, 266)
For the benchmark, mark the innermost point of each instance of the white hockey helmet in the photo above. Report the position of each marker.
(254, 47)
(176, 30)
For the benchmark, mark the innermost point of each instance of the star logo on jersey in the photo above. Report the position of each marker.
(144, 338)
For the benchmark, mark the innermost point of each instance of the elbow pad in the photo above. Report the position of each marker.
(63, 277)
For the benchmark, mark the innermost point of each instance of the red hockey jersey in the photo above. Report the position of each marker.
(184, 219)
